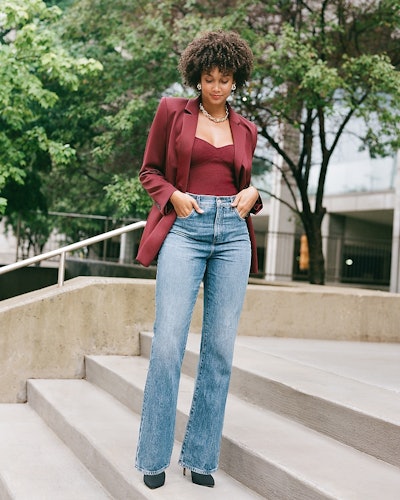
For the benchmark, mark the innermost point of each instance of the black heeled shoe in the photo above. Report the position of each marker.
(201, 479)
(154, 481)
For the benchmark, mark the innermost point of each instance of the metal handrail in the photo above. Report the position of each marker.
(70, 248)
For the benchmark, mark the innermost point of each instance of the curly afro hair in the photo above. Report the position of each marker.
(224, 50)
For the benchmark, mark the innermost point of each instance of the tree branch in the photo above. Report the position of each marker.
(306, 152)
(279, 150)
(327, 152)
(307, 7)
(286, 180)
(346, 120)
(286, 203)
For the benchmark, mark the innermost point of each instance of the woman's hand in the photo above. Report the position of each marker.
(245, 200)
(184, 204)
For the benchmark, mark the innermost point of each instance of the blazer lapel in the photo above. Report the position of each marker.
(186, 140)
(239, 139)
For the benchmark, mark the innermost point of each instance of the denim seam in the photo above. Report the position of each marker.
(204, 340)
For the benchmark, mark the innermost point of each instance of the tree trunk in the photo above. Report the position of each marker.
(312, 225)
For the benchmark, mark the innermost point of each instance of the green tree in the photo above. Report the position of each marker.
(320, 65)
(108, 118)
(33, 68)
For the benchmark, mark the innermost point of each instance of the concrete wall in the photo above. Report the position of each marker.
(45, 334)
(321, 312)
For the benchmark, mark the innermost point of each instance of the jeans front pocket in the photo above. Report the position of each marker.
(238, 215)
(187, 216)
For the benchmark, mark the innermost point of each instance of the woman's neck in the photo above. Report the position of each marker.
(216, 110)
(216, 113)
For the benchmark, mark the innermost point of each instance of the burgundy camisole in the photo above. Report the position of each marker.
(211, 169)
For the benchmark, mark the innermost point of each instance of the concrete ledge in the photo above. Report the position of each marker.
(45, 334)
(321, 312)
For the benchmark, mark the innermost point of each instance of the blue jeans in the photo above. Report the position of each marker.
(213, 247)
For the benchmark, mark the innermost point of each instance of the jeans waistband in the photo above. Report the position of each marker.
(210, 199)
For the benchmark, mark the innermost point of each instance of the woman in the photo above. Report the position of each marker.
(197, 168)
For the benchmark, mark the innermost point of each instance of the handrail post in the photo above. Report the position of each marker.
(70, 248)
(61, 269)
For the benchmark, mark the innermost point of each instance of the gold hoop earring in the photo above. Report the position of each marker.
(233, 87)
(198, 86)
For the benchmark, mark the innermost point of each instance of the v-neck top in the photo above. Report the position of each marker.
(211, 169)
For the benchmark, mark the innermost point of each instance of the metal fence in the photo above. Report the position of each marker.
(75, 227)
(365, 261)
(69, 228)
(347, 260)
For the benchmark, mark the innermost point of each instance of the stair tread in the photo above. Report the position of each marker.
(35, 464)
(350, 359)
(112, 428)
(335, 467)
(374, 401)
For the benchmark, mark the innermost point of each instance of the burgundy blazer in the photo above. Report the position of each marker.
(166, 165)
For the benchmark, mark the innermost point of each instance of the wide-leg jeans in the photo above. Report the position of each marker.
(212, 247)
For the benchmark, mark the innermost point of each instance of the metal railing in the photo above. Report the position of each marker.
(70, 248)
(353, 261)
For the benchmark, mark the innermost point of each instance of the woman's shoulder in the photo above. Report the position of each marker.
(169, 107)
(248, 127)
(174, 103)
(245, 122)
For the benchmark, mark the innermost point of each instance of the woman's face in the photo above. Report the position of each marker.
(216, 86)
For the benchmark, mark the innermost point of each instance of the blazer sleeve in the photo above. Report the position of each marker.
(152, 172)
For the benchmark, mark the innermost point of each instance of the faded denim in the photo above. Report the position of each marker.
(212, 247)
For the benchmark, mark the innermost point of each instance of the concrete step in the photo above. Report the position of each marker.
(36, 465)
(102, 433)
(279, 458)
(359, 414)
